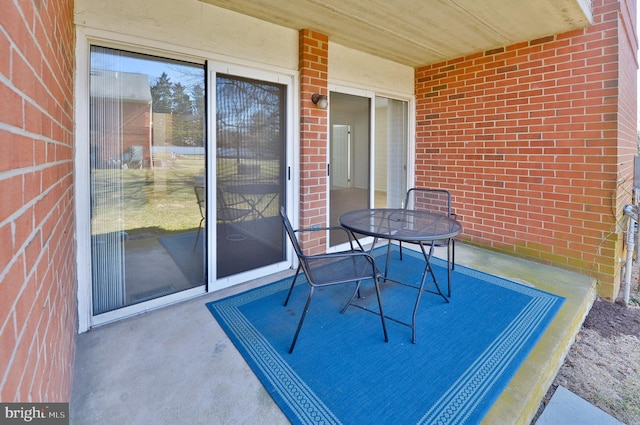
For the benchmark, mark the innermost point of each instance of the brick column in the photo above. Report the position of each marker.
(313, 66)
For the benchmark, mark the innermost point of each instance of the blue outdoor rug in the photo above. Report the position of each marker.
(342, 371)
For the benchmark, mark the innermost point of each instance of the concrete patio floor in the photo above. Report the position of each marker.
(175, 365)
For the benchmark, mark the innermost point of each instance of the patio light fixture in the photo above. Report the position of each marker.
(320, 100)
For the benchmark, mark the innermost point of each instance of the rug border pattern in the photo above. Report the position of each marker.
(454, 407)
(293, 391)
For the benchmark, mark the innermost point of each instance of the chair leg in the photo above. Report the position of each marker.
(292, 284)
(304, 313)
(356, 292)
(400, 244)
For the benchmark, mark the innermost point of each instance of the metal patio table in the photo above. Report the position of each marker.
(405, 225)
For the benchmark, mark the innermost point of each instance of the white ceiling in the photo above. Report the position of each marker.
(421, 32)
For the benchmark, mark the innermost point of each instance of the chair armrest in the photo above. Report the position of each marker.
(343, 254)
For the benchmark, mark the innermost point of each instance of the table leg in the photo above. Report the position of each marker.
(261, 212)
(427, 270)
(248, 201)
(253, 203)
(386, 265)
(370, 252)
(449, 267)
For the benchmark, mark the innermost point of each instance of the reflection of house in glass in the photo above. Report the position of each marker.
(127, 110)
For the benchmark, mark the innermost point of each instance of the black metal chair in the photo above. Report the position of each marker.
(331, 269)
(230, 211)
(436, 201)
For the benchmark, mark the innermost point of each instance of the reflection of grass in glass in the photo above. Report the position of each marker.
(162, 200)
(231, 172)
(154, 201)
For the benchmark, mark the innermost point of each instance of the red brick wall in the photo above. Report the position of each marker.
(313, 66)
(627, 110)
(627, 83)
(534, 140)
(37, 256)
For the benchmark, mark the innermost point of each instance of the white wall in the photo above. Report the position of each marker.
(350, 67)
(195, 28)
(191, 26)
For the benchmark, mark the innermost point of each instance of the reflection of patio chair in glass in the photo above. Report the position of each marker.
(332, 269)
(230, 211)
(260, 196)
(201, 197)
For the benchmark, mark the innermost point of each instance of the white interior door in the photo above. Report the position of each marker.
(340, 156)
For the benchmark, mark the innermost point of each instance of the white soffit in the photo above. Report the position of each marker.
(421, 32)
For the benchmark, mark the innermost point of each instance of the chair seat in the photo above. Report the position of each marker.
(336, 269)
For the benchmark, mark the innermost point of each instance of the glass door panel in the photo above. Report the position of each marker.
(390, 162)
(250, 177)
(147, 170)
(349, 142)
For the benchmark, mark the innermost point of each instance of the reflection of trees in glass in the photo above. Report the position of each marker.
(249, 118)
(161, 94)
(197, 129)
(186, 109)
(181, 102)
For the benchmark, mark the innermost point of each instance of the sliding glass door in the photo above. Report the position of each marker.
(251, 135)
(147, 177)
(172, 198)
(366, 171)
(391, 152)
(349, 149)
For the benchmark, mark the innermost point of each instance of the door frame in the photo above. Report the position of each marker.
(411, 144)
(360, 93)
(85, 37)
(291, 159)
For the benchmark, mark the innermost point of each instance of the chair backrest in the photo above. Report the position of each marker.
(201, 198)
(292, 234)
(433, 200)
